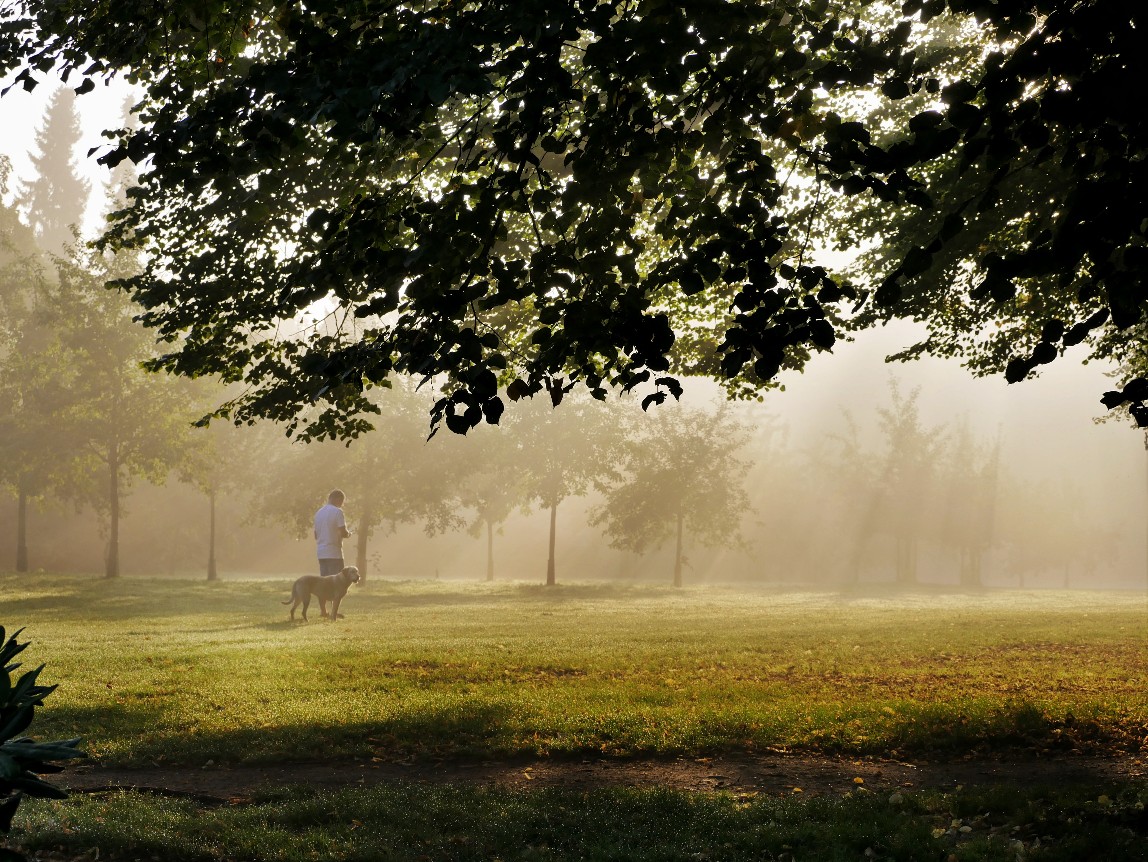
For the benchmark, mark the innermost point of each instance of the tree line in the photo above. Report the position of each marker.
(83, 420)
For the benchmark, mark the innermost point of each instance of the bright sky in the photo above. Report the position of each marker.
(21, 115)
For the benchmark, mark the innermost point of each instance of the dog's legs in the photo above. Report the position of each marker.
(306, 604)
(322, 607)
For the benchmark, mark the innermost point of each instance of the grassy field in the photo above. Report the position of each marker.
(416, 823)
(185, 672)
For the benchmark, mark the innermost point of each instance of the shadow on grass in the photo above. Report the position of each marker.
(75, 598)
(138, 733)
(141, 735)
(89, 597)
(992, 727)
(78, 598)
(397, 594)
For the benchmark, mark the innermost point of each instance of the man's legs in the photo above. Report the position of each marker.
(327, 568)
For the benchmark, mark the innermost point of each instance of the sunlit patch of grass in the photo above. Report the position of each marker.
(172, 671)
(418, 822)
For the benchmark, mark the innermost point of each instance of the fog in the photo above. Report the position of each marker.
(988, 485)
(1066, 508)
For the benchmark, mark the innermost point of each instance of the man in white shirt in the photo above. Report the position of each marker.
(330, 530)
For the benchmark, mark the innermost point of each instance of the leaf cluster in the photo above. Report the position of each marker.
(1032, 237)
(23, 761)
(524, 197)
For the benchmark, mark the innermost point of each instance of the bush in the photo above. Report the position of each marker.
(23, 761)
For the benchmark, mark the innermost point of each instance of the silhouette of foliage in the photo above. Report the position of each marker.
(526, 196)
(23, 761)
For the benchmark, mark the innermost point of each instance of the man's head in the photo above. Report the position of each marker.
(336, 498)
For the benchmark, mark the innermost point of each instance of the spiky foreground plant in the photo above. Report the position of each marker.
(23, 761)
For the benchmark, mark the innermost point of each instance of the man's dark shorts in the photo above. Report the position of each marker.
(327, 568)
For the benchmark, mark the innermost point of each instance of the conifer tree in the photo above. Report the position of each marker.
(53, 203)
(30, 374)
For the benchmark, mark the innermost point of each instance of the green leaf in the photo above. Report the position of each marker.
(7, 812)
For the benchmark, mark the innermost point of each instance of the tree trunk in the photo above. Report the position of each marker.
(112, 569)
(906, 560)
(678, 551)
(970, 567)
(212, 572)
(489, 551)
(361, 538)
(550, 579)
(22, 528)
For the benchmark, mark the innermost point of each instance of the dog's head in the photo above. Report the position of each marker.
(351, 573)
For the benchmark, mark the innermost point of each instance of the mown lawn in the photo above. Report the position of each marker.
(182, 672)
(420, 823)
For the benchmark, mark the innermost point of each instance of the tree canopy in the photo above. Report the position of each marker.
(523, 196)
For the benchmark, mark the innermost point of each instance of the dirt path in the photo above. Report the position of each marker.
(768, 773)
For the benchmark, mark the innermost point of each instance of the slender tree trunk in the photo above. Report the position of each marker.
(113, 562)
(906, 560)
(970, 567)
(22, 527)
(550, 579)
(212, 572)
(678, 551)
(860, 542)
(361, 539)
(489, 550)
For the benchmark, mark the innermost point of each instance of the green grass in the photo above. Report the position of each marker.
(172, 671)
(183, 672)
(412, 822)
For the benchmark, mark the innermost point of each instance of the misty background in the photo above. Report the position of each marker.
(856, 471)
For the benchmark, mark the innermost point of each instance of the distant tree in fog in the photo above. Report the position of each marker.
(1047, 529)
(31, 374)
(490, 473)
(54, 200)
(563, 453)
(678, 471)
(907, 482)
(391, 476)
(897, 487)
(83, 418)
(222, 458)
(840, 462)
(120, 420)
(969, 480)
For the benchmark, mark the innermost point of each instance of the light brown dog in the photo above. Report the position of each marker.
(329, 589)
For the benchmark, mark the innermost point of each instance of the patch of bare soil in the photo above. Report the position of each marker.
(770, 773)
